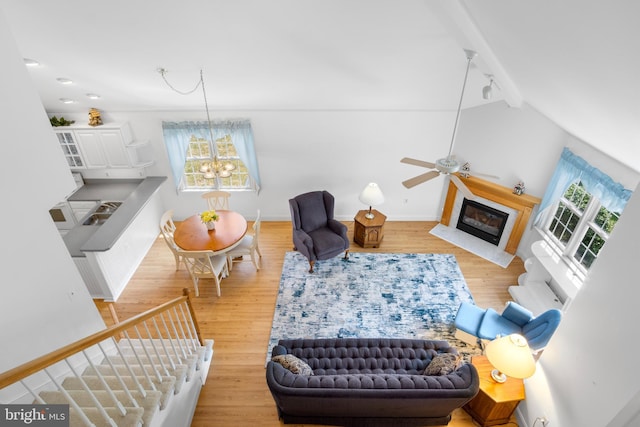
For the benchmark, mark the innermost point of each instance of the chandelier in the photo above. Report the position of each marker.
(215, 168)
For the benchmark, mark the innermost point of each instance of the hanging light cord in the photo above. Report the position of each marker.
(163, 71)
(206, 107)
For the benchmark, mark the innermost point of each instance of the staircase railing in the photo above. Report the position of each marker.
(158, 343)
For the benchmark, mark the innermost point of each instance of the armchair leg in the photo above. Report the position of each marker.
(311, 263)
(346, 254)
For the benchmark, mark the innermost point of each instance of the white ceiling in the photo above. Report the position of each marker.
(573, 60)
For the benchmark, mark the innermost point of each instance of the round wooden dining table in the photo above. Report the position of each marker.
(192, 235)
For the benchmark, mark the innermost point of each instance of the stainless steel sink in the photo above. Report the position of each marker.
(108, 207)
(96, 219)
(102, 213)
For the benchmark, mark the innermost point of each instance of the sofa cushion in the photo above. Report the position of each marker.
(443, 364)
(293, 364)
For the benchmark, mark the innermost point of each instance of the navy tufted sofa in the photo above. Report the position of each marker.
(368, 382)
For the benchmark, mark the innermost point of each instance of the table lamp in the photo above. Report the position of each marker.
(371, 195)
(511, 356)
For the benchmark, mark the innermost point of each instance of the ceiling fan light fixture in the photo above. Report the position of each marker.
(447, 165)
(487, 91)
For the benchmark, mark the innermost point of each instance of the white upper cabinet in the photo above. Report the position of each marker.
(103, 147)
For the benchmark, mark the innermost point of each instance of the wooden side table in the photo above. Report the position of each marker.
(368, 233)
(494, 404)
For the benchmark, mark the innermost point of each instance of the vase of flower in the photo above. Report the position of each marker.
(209, 219)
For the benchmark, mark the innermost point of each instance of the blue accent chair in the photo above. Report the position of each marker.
(487, 324)
(316, 234)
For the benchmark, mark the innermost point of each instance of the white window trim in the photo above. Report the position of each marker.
(587, 220)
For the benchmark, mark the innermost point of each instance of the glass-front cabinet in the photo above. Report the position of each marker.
(69, 146)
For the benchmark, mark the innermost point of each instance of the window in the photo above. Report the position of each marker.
(191, 144)
(579, 210)
(200, 151)
(580, 225)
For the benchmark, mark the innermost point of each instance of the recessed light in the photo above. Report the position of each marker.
(31, 62)
(93, 96)
(67, 101)
(64, 80)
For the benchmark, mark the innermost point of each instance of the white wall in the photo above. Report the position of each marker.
(341, 151)
(586, 376)
(44, 303)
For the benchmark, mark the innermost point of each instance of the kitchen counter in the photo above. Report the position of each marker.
(99, 238)
(107, 189)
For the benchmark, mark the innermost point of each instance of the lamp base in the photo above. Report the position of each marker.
(498, 376)
(369, 215)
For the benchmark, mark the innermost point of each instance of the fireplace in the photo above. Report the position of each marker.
(482, 221)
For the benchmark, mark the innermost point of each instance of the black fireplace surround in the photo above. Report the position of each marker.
(482, 221)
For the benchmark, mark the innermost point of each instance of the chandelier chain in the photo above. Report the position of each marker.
(163, 71)
(215, 169)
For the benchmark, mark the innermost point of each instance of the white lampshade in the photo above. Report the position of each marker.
(372, 195)
(511, 356)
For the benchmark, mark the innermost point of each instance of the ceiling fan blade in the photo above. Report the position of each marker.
(417, 162)
(420, 179)
(463, 188)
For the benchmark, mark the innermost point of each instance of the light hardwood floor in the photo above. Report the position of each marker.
(239, 321)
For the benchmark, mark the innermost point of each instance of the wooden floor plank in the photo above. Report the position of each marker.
(239, 321)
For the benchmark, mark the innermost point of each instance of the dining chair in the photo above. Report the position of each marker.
(167, 228)
(217, 200)
(205, 265)
(249, 245)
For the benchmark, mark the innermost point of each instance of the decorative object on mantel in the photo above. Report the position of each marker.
(371, 195)
(209, 219)
(519, 188)
(94, 117)
(215, 168)
(55, 122)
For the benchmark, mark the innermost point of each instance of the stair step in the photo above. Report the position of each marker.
(150, 403)
(198, 356)
(166, 387)
(180, 372)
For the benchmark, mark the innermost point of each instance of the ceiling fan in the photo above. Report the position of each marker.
(446, 165)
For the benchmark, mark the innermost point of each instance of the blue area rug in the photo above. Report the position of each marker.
(370, 295)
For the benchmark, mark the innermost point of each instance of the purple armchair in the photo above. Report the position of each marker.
(316, 235)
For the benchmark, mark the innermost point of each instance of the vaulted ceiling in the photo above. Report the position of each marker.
(575, 61)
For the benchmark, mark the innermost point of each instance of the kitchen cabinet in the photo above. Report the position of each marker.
(104, 147)
(69, 146)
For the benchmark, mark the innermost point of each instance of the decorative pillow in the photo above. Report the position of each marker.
(292, 363)
(443, 364)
